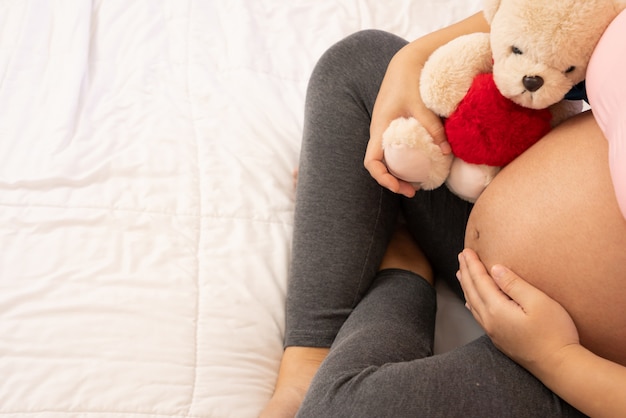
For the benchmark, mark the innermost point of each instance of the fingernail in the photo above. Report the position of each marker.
(458, 275)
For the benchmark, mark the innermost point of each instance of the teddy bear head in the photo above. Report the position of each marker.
(541, 48)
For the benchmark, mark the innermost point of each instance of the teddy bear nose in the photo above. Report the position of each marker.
(532, 83)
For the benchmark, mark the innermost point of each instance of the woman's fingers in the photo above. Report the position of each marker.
(516, 288)
(374, 164)
(476, 279)
(484, 297)
(434, 126)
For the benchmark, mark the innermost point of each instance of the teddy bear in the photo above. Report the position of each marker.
(498, 93)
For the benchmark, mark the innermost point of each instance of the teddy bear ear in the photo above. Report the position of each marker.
(490, 7)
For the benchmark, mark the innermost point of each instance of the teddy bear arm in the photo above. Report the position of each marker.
(468, 180)
(448, 73)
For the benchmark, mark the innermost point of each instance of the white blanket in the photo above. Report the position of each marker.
(146, 199)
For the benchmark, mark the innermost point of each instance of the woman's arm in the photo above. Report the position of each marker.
(593, 385)
(399, 96)
(537, 332)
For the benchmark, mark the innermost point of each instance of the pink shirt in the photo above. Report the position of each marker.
(606, 89)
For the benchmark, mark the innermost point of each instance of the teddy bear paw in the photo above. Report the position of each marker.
(469, 180)
(411, 155)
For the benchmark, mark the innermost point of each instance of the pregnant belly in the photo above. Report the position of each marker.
(551, 216)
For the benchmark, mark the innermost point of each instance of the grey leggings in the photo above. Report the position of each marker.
(381, 324)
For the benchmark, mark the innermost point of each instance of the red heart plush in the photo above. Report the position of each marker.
(487, 128)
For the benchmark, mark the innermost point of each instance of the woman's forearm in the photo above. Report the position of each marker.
(592, 384)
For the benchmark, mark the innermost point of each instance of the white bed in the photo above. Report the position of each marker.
(146, 199)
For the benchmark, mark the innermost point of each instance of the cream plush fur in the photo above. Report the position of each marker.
(552, 40)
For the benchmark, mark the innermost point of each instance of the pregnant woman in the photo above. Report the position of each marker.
(542, 261)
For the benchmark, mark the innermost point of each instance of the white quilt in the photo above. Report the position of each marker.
(146, 199)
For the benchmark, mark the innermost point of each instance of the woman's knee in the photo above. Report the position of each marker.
(362, 44)
(360, 58)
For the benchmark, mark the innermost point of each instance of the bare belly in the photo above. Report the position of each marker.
(551, 216)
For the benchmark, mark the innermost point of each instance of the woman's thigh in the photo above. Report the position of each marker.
(343, 218)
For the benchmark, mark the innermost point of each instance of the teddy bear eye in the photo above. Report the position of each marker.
(570, 70)
(516, 50)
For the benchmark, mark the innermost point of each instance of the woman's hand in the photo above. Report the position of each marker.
(399, 96)
(522, 321)
(536, 332)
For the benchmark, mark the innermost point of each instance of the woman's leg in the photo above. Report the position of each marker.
(343, 218)
(381, 366)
